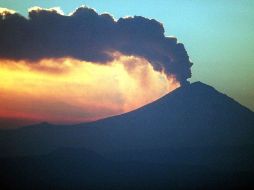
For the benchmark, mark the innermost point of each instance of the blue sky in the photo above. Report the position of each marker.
(218, 35)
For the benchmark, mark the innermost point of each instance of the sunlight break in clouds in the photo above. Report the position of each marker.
(5, 11)
(67, 90)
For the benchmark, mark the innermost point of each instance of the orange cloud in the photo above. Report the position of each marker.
(67, 90)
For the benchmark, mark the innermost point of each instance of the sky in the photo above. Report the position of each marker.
(218, 36)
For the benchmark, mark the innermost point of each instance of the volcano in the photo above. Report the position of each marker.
(204, 136)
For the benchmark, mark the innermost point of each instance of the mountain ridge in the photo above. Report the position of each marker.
(175, 92)
(192, 115)
(194, 136)
(195, 85)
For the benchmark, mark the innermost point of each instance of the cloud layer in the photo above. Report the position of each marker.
(67, 90)
(85, 35)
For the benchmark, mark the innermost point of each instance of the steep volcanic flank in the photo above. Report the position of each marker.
(192, 138)
(194, 115)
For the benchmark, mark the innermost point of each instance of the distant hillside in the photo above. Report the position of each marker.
(81, 169)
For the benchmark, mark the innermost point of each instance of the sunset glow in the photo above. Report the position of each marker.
(67, 90)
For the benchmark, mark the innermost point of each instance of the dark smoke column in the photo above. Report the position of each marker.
(86, 35)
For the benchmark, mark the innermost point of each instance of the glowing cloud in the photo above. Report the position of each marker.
(4, 11)
(69, 90)
(37, 9)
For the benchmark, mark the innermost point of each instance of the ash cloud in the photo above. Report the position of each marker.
(88, 36)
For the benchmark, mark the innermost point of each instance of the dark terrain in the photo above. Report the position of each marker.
(192, 138)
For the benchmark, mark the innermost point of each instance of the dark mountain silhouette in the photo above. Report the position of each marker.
(195, 115)
(194, 137)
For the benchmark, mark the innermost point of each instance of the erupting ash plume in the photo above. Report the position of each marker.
(87, 36)
(85, 66)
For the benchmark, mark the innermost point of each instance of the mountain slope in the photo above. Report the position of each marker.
(188, 116)
(192, 138)
(194, 115)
